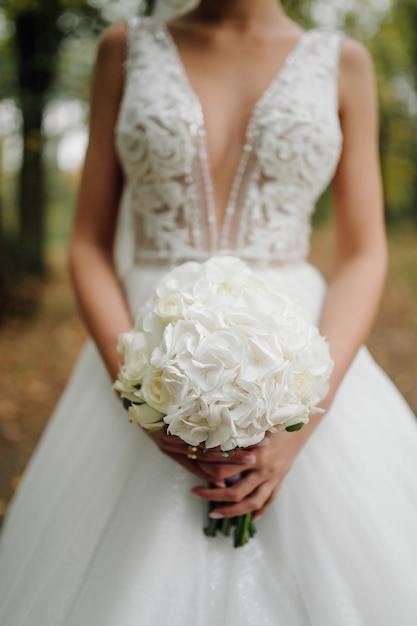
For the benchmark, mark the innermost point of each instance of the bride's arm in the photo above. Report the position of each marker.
(361, 252)
(355, 289)
(100, 298)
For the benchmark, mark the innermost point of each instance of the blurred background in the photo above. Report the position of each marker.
(47, 50)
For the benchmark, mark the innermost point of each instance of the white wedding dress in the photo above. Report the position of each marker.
(103, 530)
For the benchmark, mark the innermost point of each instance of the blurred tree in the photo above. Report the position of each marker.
(393, 46)
(7, 89)
(149, 6)
(38, 34)
(406, 17)
(300, 11)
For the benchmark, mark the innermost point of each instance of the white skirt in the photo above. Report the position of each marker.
(104, 532)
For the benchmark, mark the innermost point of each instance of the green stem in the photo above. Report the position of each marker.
(226, 525)
(211, 528)
(243, 524)
(244, 530)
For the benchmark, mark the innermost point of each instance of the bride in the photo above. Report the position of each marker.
(222, 126)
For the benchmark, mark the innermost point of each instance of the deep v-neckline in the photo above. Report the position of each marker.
(219, 221)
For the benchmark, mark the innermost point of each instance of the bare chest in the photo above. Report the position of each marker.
(229, 75)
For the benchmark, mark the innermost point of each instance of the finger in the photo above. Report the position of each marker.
(214, 458)
(175, 448)
(254, 502)
(222, 471)
(169, 444)
(173, 444)
(169, 440)
(267, 504)
(190, 465)
(230, 493)
(237, 456)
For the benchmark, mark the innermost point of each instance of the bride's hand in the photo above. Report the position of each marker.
(260, 482)
(211, 465)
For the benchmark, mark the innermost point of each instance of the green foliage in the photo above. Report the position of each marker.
(299, 11)
(13, 8)
(394, 51)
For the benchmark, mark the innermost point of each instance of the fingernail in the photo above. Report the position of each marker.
(196, 495)
(220, 483)
(216, 515)
(248, 458)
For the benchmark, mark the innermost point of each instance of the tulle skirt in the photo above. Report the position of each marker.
(103, 530)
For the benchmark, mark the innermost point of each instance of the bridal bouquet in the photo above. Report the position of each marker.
(221, 358)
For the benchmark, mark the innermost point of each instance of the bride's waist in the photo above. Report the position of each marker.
(167, 259)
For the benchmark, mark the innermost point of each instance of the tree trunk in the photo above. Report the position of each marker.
(37, 42)
(32, 194)
(149, 7)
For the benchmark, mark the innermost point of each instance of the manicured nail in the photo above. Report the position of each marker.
(248, 458)
(220, 483)
(196, 495)
(216, 515)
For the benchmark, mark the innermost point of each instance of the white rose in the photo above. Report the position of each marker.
(130, 342)
(124, 341)
(127, 390)
(134, 348)
(136, 359)
(305, 386)
(172, 307)
(146, 416)
(154, 391)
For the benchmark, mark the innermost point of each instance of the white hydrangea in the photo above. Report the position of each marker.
(221, 358)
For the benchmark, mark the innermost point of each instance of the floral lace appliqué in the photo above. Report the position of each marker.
(291, 150)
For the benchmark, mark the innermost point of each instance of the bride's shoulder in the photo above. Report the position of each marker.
(356, 73)
(355, 60)
(110, 61)
(122, 41)
(113, 41)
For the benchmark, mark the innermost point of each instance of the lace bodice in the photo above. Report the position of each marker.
(291, 149)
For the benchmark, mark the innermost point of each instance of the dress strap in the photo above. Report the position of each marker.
(324, 48)
(133, 40)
